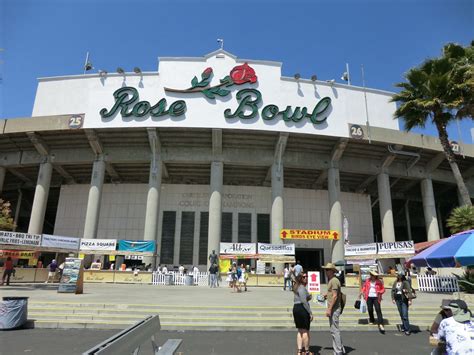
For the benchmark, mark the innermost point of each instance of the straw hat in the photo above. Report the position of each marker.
(373, 273)
(330, 266)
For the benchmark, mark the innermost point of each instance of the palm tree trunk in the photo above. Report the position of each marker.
(443, 137)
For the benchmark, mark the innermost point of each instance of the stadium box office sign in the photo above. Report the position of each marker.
(127, 101)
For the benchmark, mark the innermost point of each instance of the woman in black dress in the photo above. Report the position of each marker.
(302, 313)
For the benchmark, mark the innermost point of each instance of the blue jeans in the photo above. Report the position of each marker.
(287, 283)
(402, 306)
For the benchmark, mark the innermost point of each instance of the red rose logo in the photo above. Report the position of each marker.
(243, 74)
(206, 73)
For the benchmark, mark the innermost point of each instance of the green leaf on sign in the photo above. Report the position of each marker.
(194, 82)
(203, 83)
(208, 93)
(222, 92)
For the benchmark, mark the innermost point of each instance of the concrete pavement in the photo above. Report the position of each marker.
(46, 342)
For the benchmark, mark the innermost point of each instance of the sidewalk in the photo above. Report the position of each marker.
(188, 295)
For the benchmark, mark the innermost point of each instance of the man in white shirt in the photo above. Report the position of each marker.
(297, 269)
(458, 331)
(164, 270)
(181, 269)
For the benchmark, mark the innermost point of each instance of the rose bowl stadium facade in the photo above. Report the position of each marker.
(219, 149)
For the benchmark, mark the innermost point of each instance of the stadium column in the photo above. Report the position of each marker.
(385, 205)
(335, 213)
(215, 208)
(429, 209)
(277, 216)
(93, 202)
(2, 177)
(40, 200)
(152, 206)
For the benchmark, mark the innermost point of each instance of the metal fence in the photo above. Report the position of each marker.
(177, 278)
(435, 283)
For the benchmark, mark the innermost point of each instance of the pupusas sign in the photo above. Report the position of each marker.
(127, 100)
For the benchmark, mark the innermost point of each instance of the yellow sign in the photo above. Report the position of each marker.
(17, 254)
(111, 257)
(224, 265)
(308, 234)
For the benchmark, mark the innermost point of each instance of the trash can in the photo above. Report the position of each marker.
(13, 312)
(168, 279)
(189, 280)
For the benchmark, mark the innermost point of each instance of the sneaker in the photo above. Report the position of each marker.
(381, 328)
(407, 333)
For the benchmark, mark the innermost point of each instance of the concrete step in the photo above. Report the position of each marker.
(177, 317)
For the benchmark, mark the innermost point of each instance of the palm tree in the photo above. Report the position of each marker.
(461, 219)
(440, 90)
(6, 220)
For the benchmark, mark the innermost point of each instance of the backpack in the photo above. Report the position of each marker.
(239, 273)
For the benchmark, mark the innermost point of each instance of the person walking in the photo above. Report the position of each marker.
(334, 310)
(372, 290)
(213, 274)
(242, 277)
(286, 278)
(297, 269)
(302, 314)
(7, 271)
(52, 271)
(402, 296)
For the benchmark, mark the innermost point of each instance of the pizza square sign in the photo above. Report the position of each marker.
(314, 282)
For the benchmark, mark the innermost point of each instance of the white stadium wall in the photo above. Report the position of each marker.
(123, 210)
(88, 94)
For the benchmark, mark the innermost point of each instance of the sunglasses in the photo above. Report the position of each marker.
(305, 277)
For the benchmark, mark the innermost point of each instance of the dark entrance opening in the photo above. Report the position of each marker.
(311, 259)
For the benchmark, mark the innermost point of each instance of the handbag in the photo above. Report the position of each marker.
(357, 304)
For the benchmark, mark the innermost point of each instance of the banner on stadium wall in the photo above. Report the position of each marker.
(360, 249)
(396, 248)
(56, 241)
(238, 248)
(18, 254)
(24, 239)
(137, 245)
(98, 244)
(276, 249)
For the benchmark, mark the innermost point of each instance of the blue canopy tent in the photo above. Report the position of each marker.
(457, 250)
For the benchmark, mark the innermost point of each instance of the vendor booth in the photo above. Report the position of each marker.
(376, 257)
(26, 251)
(263, 254)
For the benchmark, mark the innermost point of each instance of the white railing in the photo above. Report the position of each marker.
(176, 278)
(435, 283)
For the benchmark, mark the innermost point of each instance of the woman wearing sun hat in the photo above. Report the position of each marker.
(372, 290)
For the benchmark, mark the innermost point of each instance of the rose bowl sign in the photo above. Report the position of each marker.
(128, 103)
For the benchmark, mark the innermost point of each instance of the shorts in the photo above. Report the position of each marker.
(51, 274)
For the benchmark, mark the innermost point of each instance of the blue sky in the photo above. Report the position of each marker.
(44, 38)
